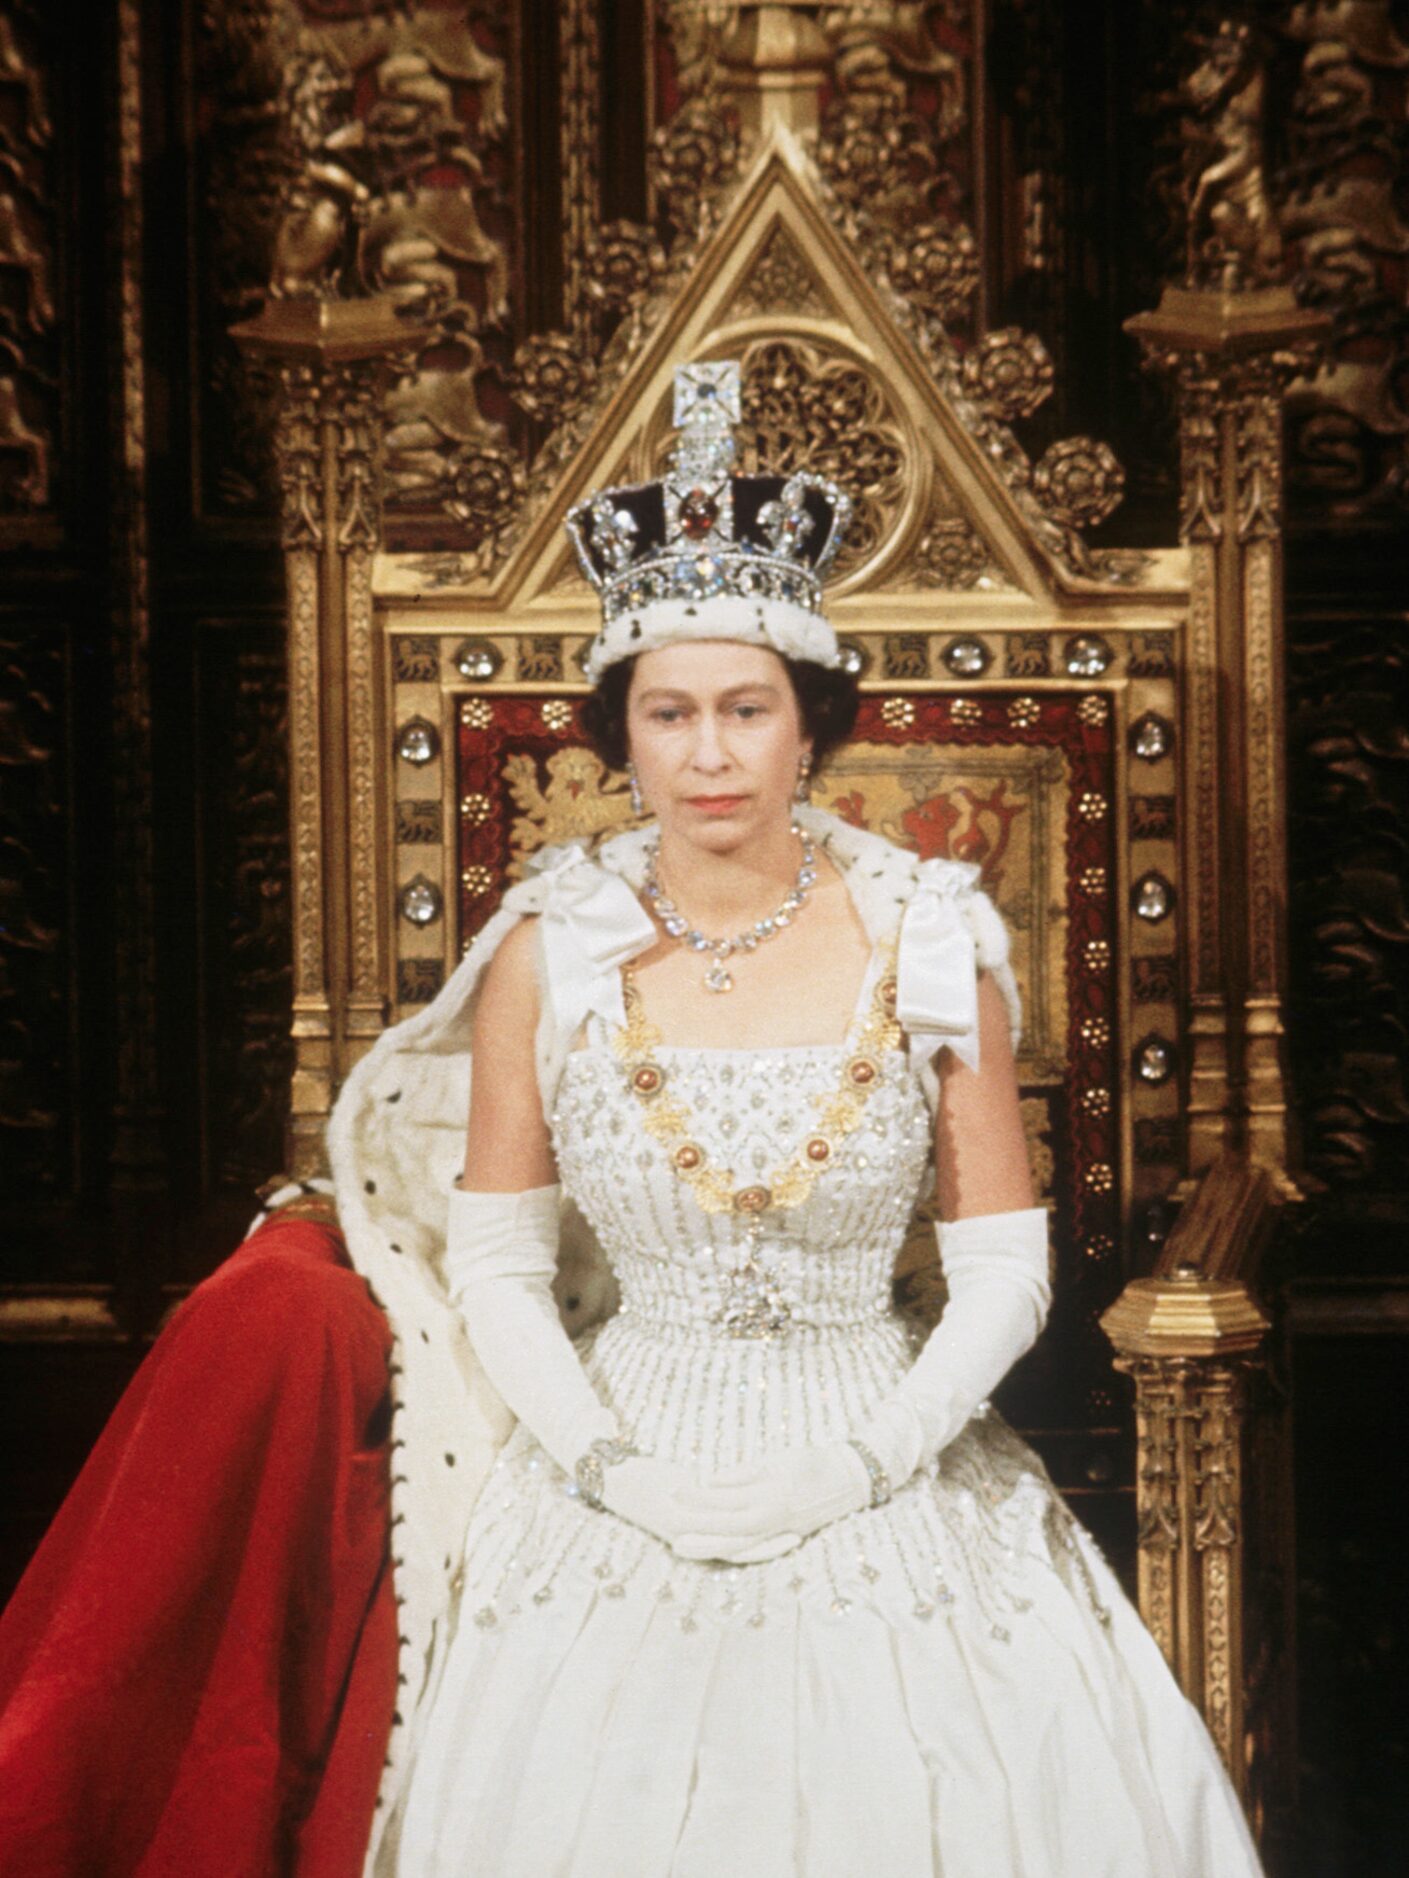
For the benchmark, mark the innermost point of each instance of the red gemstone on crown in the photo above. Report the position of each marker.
(698, 513)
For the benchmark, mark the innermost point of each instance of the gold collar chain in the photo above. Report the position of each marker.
(756, 1305)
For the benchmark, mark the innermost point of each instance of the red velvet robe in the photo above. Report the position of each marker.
(198, 1671)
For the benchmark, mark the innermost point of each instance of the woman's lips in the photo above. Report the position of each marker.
(715, 805)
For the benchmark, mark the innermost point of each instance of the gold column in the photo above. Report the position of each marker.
(1188, 1336)
(333, 360)
(1233, 354)
(1232, 336)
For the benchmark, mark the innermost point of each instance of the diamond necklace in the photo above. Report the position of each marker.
(717, 978)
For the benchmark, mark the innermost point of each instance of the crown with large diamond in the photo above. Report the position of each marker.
(706, 554)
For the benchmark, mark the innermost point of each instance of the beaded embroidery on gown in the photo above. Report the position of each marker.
(952, 1683)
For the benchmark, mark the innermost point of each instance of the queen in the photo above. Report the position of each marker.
(747, 1578)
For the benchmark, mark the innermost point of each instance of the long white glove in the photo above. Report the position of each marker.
(501, 1251)
(995, 1266)
(500, 1256)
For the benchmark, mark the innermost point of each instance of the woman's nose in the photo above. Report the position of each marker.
(710, 753)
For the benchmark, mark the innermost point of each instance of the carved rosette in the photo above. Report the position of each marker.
(552, 378)
(485, 492)
(1006, 375)
(623, 264)
(950, 554)
(691, 157)
(879, 161)
(1079, 481)
(1009, 372)
(880, 180)
(936, 269)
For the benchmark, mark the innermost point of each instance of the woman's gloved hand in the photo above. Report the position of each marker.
(700, 1519)
(768, 1507)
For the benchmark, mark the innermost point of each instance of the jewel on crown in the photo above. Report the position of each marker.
(614, 531)
(786, 521)
(654, 550)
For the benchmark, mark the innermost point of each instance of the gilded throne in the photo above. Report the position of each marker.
(1098, 731)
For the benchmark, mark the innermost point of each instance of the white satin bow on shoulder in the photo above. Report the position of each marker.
(591, 924)
(937, 969)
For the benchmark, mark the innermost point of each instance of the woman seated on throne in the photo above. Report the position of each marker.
(750, 1577)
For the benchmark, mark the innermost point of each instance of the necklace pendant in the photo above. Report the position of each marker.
(717, 979)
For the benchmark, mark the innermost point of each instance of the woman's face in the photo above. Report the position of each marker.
(716, 735)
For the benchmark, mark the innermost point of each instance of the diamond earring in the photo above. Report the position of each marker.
(638, 801)
(804, 771)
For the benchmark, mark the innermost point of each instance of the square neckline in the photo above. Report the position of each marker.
(596, 1028)
(876, 951)
(854, 1022)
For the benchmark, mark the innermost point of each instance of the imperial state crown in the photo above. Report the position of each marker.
(706, 554)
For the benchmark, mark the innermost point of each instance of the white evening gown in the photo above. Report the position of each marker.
(950, 1684)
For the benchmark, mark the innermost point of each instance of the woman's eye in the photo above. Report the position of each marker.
(749, 710)
(668, 714)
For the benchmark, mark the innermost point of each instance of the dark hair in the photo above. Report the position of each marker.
(827, 700)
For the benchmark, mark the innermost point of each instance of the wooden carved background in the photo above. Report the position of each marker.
(522, 170)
